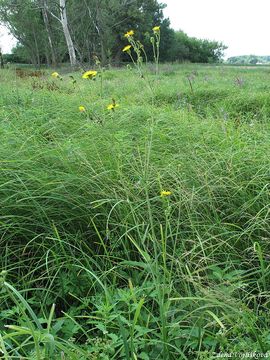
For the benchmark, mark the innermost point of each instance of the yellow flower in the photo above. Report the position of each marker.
(126, 48)
(82, 108)
(129, 33)
(55, 75)
(89, 74)
(156, 29)
(165, 193)
(112, 106)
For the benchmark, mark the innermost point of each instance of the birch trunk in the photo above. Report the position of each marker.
(64, 22)
(1, 60)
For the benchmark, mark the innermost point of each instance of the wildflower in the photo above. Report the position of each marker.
(55, 75)
(156, 29)
(165, 193)
(112, 106)
(82, 108)
(129, 33)
(91, 74)
(127, 48)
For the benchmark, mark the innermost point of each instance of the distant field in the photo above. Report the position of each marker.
(140, 231)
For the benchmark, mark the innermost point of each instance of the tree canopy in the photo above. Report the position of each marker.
(55, 31)
(249, 60)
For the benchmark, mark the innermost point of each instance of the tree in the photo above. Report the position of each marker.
(33, 23)
(98, 26)
(60, 14)
(54, 31)
(44, 6)
(185, 48)
(24, 21)
(64, 22)
(1, 60)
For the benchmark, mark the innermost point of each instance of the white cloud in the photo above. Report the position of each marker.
(7, 42)
(242, 25)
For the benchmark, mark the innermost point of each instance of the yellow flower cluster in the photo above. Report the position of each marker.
(55, 75)
(82, 108)
(164, 193)
(127, 48)
(112, 106)
(90, 74)
(129, 34)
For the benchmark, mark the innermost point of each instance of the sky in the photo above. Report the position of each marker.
(242, 25)
(6, 41)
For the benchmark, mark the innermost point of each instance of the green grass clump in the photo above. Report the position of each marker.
(95, 263)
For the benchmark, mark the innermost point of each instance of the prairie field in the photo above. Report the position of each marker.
(138, 230)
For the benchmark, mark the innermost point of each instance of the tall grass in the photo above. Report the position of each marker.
(97, 265)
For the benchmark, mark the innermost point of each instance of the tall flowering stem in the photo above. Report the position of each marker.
(139, 50)
(156, 45)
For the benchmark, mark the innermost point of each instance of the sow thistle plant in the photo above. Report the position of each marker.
(129, 34)
(134, 45)
(90, 114)
(155, 41)
(165, 193)
(139, 50)
(56, 75)
(113, 105)
(90, 74)
(82, 109)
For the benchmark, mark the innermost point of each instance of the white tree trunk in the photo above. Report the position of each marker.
(64, 22)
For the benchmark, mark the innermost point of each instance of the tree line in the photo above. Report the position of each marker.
(56, 31)
(248, 60)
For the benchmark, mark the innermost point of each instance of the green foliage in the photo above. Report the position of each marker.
(26, 25)
(249, 60)
(19, 56)
(97, 28)
(185, 48)
(96, 264)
